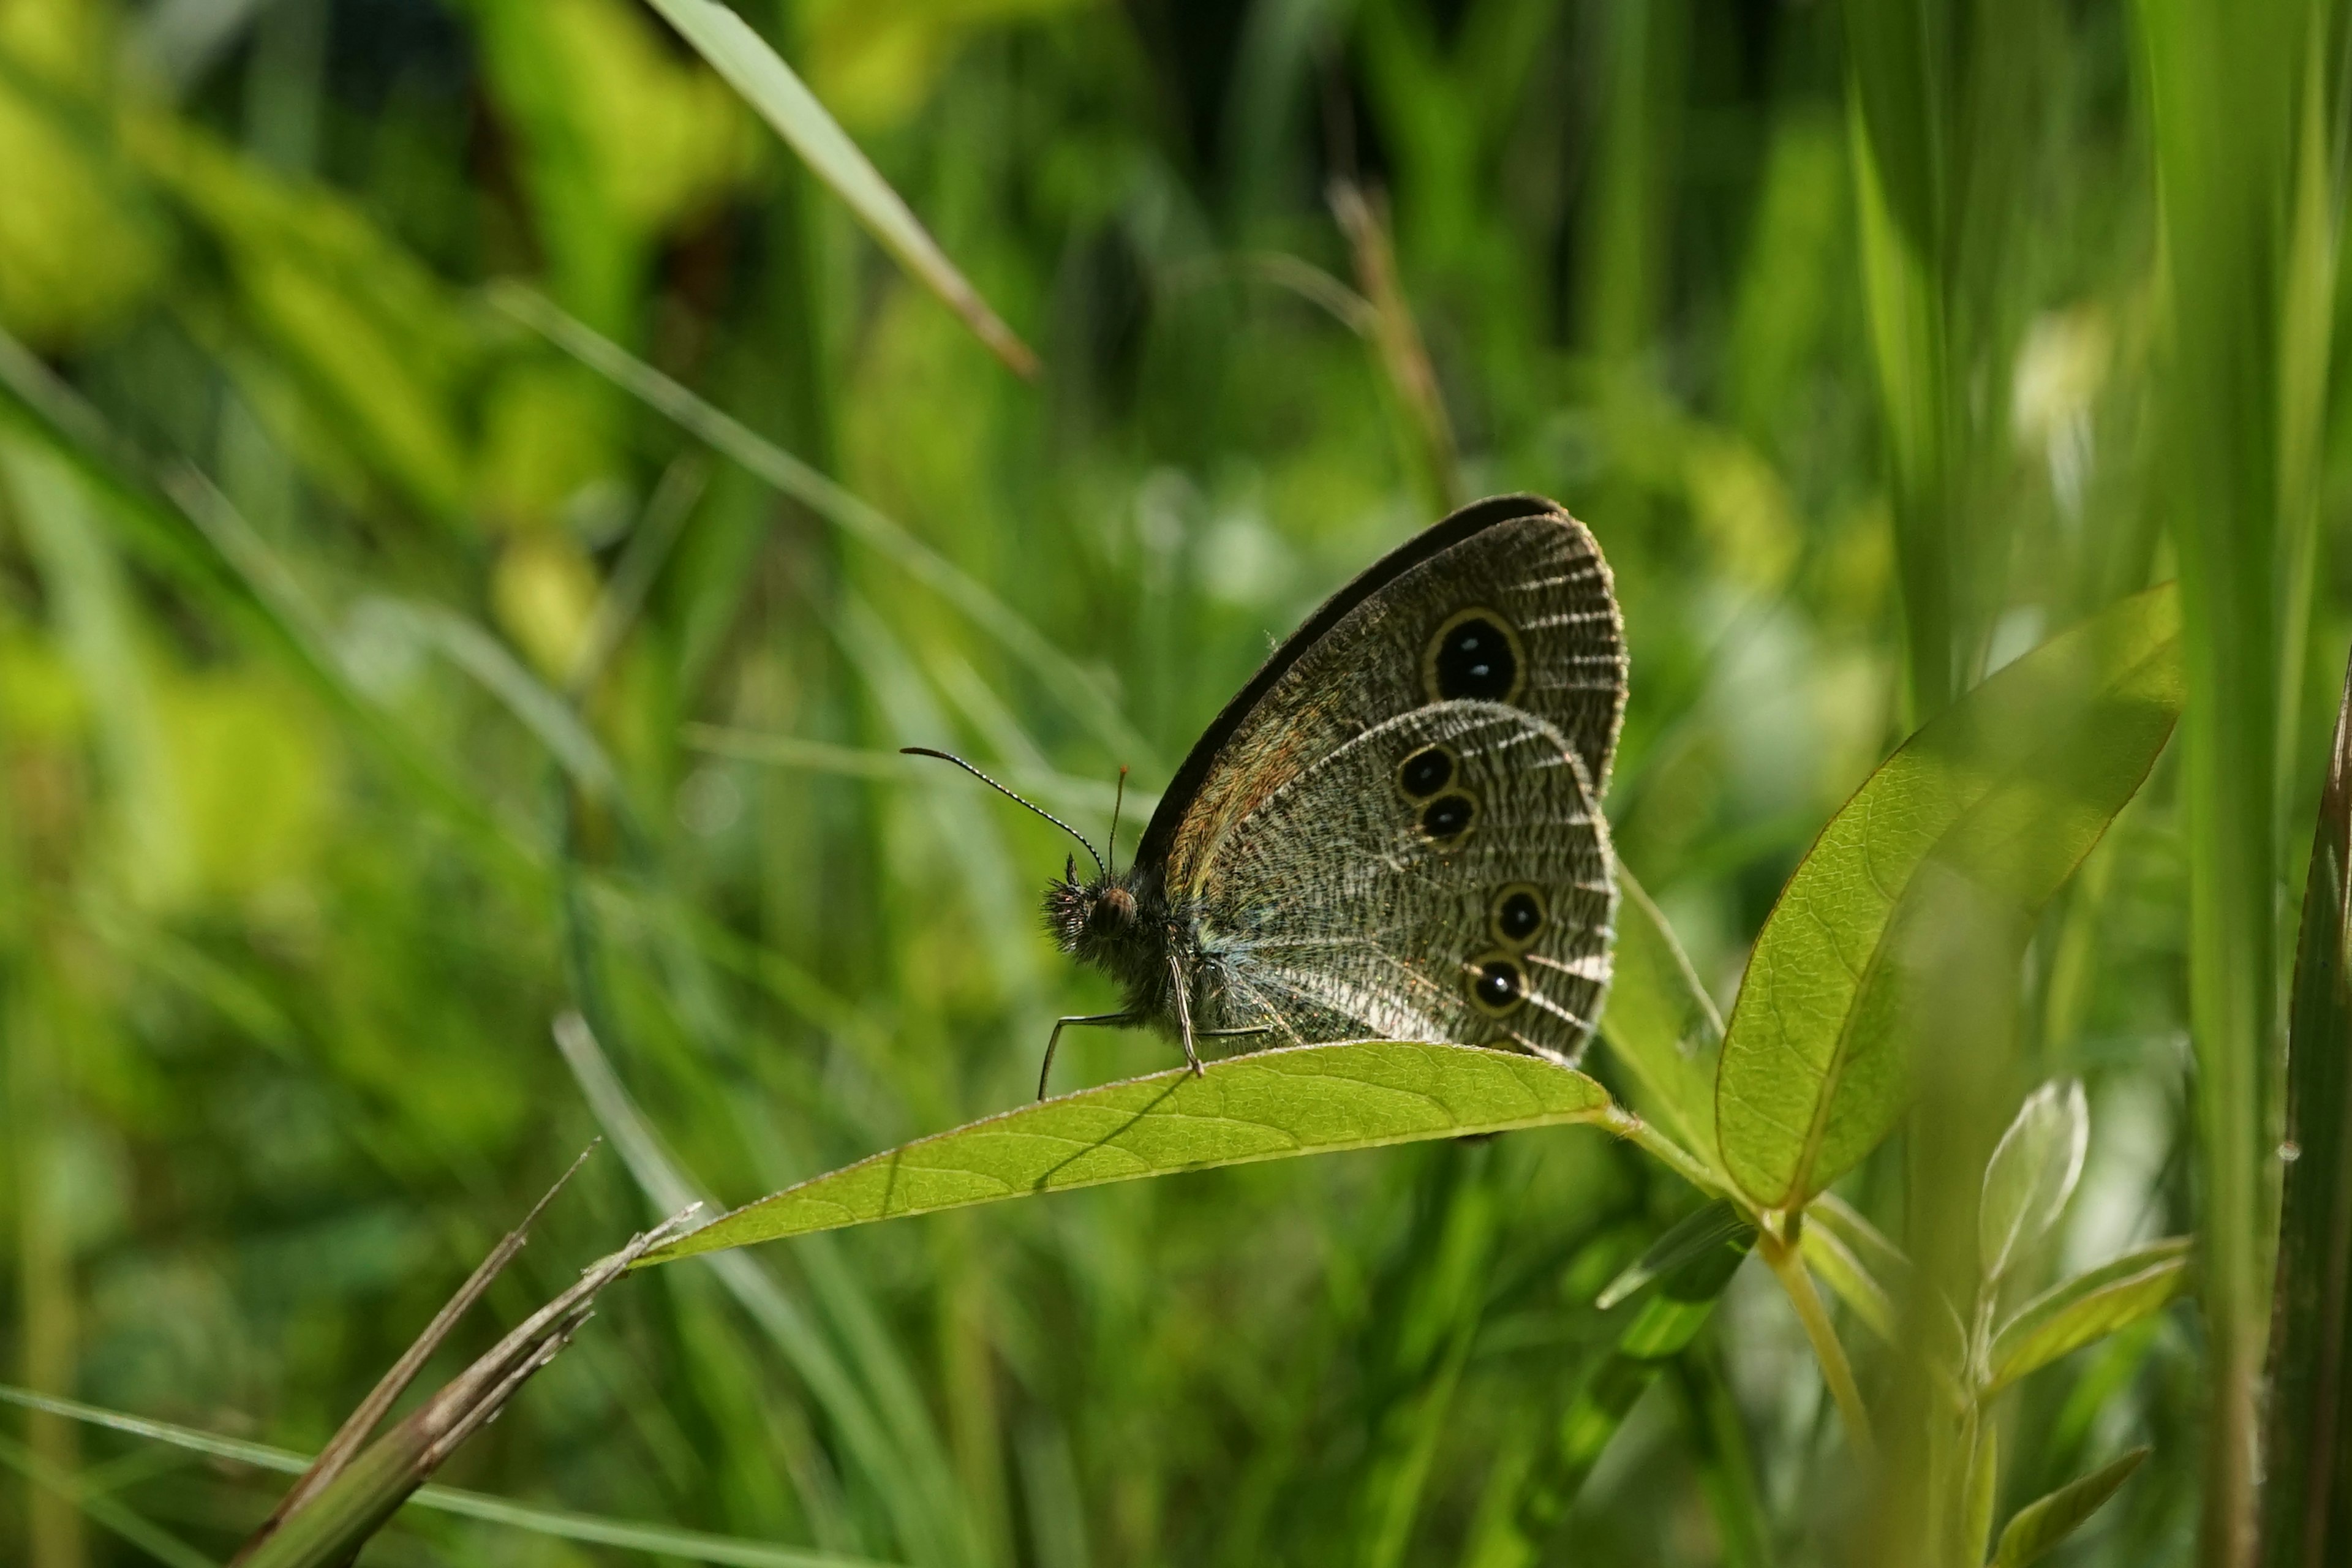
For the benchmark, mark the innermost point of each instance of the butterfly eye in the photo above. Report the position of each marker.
(1517, 915)
(1497, 985)
(1425, 773)
(1475, 654)
(1448, 817)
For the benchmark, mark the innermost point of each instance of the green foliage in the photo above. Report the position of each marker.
(479, 511)
(2087, 1307)
(2043, 1524)
(1996, 802)
(1270, 1105)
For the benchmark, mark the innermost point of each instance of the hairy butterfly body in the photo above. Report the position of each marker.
(1394, 830)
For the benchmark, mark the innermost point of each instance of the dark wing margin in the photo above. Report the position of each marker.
(1443, 534)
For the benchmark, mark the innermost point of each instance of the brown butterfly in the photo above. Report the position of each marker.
(1394, 830)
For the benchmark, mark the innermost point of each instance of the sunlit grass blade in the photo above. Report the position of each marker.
(2307, 1494)
(2224, 85)
(722, 433)
(2001, 797)
(769, 85)
(1267, 1105)
(563, 1524)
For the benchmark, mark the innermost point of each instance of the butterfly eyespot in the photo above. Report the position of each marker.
(1448, 817)
(1497, 986)
(1475, 654)
(1517, 915)
(1425, 773)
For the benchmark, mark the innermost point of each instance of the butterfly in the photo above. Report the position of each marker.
(1394, 830)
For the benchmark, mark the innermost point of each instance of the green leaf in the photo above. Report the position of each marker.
(2306, 1500)
(1999, 798)
(1661, 1024)
(769, 86)
(2043, 1523)
(2032, 1174)
(1268, 1105)
(2088, 1307)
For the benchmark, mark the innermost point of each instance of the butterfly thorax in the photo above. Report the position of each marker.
(1122, 923)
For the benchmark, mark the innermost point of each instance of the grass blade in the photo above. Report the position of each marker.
(770, 87)
(2307, 1495)
(1267, 1105)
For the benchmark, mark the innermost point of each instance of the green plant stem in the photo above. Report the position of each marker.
(1684, 1164)
(1789, 1266)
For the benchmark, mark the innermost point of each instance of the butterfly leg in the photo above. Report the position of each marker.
(1183, 1013)
(1109, 1019)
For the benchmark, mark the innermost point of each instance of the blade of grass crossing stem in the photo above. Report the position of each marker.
(1267, 1105)
(694, 1546)
(770, 87)
(1987, 809)
(153, 1540)
(1080, 692)
(902, 1458)
(2218, 75)
(2307, 1489)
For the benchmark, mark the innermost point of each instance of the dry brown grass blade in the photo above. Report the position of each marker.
(1404, 355)
(350, 1490)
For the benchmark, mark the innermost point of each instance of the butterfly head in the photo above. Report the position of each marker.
(1089, 919)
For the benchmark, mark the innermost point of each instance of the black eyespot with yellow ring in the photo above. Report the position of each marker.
(1497, 984)
(1448, 818)
(1475, 654)
(1426, 771)
(1517, 915)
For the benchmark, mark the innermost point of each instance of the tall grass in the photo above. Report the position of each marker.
(474, 508)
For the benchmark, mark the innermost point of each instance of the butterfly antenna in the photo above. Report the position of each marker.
(950, 757)
(1110, 846)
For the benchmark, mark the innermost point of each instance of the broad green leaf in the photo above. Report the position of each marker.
(2032, 1174)
(2307, 1487)
(1996, 800)
(2088, 1307)
(1661, 1024)
(768, 84)
(1268, 1105)
(2045, 1523)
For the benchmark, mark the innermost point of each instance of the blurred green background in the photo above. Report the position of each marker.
(378, 683)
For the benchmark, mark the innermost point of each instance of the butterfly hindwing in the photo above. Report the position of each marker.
(1444, 875)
